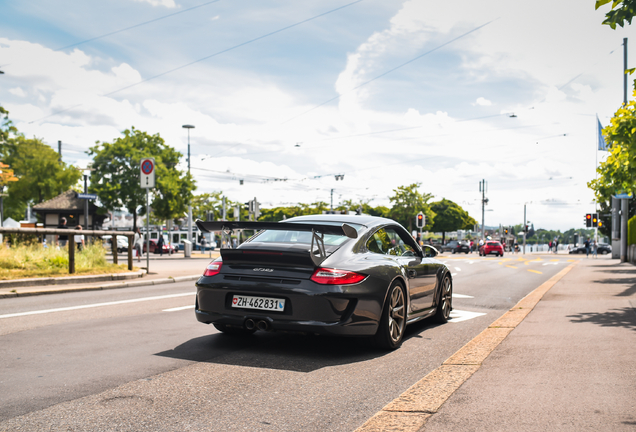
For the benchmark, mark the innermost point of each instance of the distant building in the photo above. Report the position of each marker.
(67, 205)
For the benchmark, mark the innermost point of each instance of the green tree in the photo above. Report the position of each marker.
(6, 127)
(407, 203)
(115, 178)
(449, 216)
(207, 202)
(622, 10)
(617, 174)
(41, 175)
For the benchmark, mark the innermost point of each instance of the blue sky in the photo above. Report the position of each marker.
(442, 119)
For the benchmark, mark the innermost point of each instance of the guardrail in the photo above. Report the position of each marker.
(71, 244)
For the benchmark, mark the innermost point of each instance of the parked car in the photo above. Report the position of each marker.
(122, 243)
(462, 247)
(604, 249)
(491, 248)
(347, 275)
(450, 246)
(167, 248)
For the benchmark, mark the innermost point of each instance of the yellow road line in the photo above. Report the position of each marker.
(410, 411)
(535, 271)
(509, 266)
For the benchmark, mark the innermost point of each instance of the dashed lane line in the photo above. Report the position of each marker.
(410, 411)
(94, 305)
(535, 271)
(509, 266)
(178, 308)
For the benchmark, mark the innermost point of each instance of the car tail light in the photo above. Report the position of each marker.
(327, 276)
(214, 268)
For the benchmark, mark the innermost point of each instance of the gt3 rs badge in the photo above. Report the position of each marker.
(264, 270)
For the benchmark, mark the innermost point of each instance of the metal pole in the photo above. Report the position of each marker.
(625, 71)
(524, 229)
(147, 231)
(624, 217)
(331, 199)
(190, 204)
(482, 187)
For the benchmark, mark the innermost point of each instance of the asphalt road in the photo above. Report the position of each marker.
(136, 359)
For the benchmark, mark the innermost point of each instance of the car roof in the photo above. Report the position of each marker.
(365, 220)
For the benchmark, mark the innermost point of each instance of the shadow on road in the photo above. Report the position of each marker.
(284, 351)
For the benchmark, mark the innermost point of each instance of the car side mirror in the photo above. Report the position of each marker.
(429, 251)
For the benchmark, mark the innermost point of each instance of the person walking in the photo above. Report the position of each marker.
(550, 246)
(594, 249)
(62, 239)
(137, 243)
(160, 244)
(79, 238)
(587, 247)
(556, 246)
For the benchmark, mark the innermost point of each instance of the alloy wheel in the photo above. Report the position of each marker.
(396, 314)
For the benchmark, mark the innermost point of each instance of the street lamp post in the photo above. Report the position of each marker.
(188, 127)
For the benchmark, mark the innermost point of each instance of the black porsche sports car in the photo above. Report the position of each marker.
(324, 274)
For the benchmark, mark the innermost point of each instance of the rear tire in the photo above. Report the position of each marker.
(393, 322)
(234, 331)
(445, 305)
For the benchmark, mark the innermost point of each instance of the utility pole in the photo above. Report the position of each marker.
(59, 150)
(524, 229)
(188, 127)
(331, 199)
(484, 201)
(624, 201)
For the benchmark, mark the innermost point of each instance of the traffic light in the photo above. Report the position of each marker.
(595, 220)
(588, 220)
(420, 220)
(506, 231)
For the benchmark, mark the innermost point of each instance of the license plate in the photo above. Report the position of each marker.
(262, 303)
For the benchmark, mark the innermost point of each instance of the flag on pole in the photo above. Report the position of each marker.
(602, 144)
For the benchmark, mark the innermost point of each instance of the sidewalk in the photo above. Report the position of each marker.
(569, 365)
(163, 269)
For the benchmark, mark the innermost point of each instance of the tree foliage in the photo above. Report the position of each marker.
(617, 174)
(449, 216)
(41, 175)
(407, 203)
(622, 11)
(116, 176)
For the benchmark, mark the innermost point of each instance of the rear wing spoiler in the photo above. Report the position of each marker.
(317, 250)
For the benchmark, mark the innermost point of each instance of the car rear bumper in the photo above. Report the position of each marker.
(352, 310)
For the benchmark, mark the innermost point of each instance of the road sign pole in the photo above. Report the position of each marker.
(147, 231)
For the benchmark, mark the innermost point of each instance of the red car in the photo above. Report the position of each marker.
(167, 249)
(491, 247)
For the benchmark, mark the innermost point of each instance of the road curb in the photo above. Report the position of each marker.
(102, 287)
(410, 411)
(66, 280)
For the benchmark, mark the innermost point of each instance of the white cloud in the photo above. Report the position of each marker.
(482, 102)
(17, 91)
(166, 3)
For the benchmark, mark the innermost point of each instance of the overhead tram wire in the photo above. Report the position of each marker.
(391, 70)
(131, 27)
(205, 58)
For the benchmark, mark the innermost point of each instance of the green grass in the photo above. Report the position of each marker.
(24, 261)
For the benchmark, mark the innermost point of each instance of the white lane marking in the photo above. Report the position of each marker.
(453, 274)
(458, 269)
(455, 295)
(178, 308)
(94, 305)
(550, 263)
(459, 315)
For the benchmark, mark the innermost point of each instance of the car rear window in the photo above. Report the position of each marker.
(294, 237)
(492, 244)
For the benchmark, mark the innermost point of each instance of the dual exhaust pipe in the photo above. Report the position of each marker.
(261, 325)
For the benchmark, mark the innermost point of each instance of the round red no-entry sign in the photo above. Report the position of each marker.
(147, 166)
